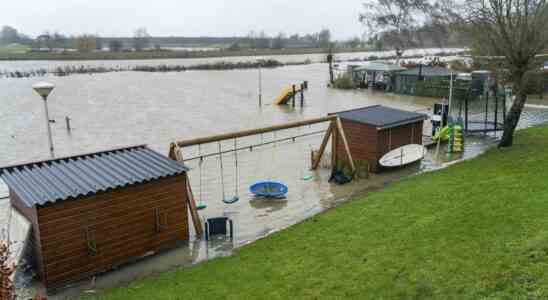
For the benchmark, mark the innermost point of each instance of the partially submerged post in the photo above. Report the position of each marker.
(293, 94)
(330, 61)
(302, 94)
(67, 122)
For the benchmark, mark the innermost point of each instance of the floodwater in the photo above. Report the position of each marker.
(127, 108)
(317, 57)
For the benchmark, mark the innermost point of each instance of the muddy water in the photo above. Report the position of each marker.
(120, 109)
(50, 65)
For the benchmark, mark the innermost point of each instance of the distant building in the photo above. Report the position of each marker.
(376, 74)
(406, 81)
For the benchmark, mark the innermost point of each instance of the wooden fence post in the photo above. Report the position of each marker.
(293, 95)
(175, 154)
(316, 160)
(346, 147)
(302, 94)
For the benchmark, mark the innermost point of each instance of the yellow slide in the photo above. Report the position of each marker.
(286, 94)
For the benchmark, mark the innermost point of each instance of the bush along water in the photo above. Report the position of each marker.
(83, 69)
(343, 82)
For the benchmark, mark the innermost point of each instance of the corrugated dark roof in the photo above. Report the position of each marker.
(38, 183)
(380, 67)
(427, 71)
(381, 116)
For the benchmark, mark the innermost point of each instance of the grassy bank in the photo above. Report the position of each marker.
(5, 55)
(476, 230)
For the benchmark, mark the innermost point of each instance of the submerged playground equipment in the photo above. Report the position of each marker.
(289, 93)
(359, 139)
(269, 189)
(262, 188)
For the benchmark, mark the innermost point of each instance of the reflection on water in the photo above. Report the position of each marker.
(120, 109)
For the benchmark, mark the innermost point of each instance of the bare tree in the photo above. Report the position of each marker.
(396, 18)
(58, 40)
(85, 43)
(517, 31)
(280, 41)
(324, 38)
(8, 35)
(141, 39)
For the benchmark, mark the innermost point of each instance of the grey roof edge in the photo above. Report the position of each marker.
(352, 109)
(410, 121)
(422, 116)
(392, 125)
(31, 162)
(45, 194)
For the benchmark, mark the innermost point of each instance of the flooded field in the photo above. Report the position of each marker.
(128, 108)
(50, 65)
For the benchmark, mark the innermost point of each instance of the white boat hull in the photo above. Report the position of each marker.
(402, 156)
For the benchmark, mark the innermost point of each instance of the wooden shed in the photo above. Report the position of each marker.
(373, 131)
(93, 212)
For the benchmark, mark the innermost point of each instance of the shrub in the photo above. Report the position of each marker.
(344, 82)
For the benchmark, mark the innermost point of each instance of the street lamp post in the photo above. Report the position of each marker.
(260, 60)
(44, 89)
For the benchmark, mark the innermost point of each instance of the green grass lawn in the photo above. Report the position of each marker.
(476, 230)
(13, 49)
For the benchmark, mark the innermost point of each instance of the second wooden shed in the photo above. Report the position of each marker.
(373, 131)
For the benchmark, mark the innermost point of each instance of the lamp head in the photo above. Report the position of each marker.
(43, 89)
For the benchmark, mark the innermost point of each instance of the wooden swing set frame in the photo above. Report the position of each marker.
(334, 131)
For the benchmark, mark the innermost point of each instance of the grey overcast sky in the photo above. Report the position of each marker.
(182, 18)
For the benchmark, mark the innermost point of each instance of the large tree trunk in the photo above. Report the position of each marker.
(331, 76)
(514, 114)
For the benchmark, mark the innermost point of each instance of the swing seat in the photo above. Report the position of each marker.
(231, 200)
(269, 189)
(201, 206)
(308, 177)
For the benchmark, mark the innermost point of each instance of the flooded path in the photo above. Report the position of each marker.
(128, 108)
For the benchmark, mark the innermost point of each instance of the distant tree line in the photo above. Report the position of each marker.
(261, 40)
(429, 35)
(10, 35)
(56, 41)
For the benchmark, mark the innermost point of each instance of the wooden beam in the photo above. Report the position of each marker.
(345, 143)
(172, 149)
(194, 210)
(244, 133)
(325, 140)
(175, 154)
(334, 152)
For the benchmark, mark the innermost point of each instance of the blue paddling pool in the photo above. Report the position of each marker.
(269, 189)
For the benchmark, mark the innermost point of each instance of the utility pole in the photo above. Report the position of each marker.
(260, 60)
